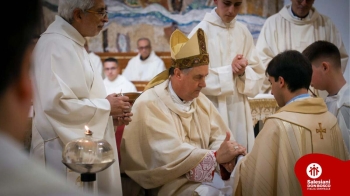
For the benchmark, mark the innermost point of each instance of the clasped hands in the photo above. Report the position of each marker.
(120, 109)
(239, 63)
(228, 152)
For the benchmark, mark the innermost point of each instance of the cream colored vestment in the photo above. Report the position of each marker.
(286, 136)
(163, 143)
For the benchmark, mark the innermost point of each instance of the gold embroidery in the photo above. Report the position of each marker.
(320, 130)
(188, 62)
(197, 60)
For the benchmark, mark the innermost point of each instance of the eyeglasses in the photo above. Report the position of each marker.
(102, 14)
(112, 68)
(144, 47)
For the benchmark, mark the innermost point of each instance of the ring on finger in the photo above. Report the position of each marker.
(236, 147)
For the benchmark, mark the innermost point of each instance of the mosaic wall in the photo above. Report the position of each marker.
(130, 20)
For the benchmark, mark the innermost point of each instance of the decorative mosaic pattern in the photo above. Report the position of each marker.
(130, 20)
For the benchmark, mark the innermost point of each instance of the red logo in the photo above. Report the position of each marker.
(321, 174)
(314, 170)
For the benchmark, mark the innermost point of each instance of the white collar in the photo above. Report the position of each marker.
(184, 105)
(308, 17)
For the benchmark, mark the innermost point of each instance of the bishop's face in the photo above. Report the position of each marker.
(228, 9)
(192, 82)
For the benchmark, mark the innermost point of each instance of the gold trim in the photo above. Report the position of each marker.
(263, 103)
(197, 60)
(262, 108)
(320, 130)
(193, 61)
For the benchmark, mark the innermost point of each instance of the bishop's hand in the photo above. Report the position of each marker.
(229, 150)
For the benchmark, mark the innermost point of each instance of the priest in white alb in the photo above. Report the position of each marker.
(69, 94)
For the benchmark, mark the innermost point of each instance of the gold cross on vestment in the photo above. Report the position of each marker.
(320, 130)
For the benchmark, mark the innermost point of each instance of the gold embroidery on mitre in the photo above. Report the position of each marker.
(193, 61)
(197, 60)
(320, 130)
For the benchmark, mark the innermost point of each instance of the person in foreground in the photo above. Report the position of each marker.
(69, 94)
(145, 65)
(327, 75)
(19, 174)
(115, 82)
(235, 70)
(301, 126)
(295, 27)
(177, 143)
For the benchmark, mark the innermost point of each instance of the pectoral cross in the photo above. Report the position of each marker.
(320, 130)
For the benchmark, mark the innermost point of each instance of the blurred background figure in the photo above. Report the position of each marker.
(295, 27)
(145, 65)
(94, 59)
(327, 75)
(19, 175)
(114, 82)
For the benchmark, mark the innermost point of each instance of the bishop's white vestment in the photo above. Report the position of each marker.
(166, 140)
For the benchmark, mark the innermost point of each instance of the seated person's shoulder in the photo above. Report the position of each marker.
(134, 58)
(203, 101)
(146, 98)
(203, 98)
(158, 57)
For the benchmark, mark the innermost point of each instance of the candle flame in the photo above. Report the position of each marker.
(87, 132)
